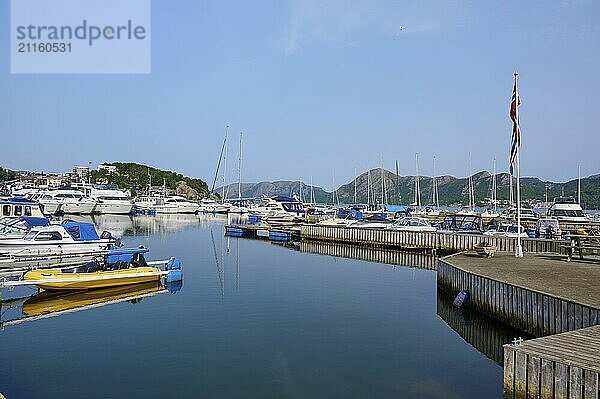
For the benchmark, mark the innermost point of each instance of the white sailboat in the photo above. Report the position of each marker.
(492, 211)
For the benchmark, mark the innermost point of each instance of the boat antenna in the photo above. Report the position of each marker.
(220, 157)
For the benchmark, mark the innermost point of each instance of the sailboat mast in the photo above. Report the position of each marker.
(212, 189)
(434, 186)
(417, 184)
(224, 169)
(368, 188)
(240, 170)
(494, 189)
(355, 177)
(397, 190)
(579, 183)
(382, 184)
(333, 188)
(312, 192)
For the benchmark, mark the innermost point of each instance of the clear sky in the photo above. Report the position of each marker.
(319, 87)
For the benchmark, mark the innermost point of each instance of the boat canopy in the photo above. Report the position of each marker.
(397, 208)
(80, 231)
(351, 214)
(283, 198)
(35, 221)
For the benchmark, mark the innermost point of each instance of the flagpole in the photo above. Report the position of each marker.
(519, 249)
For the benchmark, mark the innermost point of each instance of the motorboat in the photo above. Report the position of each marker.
(49, 205)
(208, 205)
(280, 209)
(514, 231)
(166, 205)
(91, 276)
(176, 204)
(94, 275)
(527, 215)
(69, 237)
(343, 218)
(548, 228)
(72, 201)
(111, 201)
(17, 228)
(566, 209)
(412, 224)
(375, 221)
(15, 207)
(496, 230)
(462, 223)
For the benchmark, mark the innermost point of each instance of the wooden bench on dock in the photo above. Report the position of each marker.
(581, 244)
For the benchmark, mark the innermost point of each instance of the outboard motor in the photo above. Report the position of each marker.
(174, 272)
(138, 260)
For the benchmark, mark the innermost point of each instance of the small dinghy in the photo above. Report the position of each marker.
(93, 275)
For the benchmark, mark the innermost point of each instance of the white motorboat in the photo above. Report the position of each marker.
(69, 237)
(548, 228)
(566, 209)
(14, 207)
(72, 201)
(19, 227)
(515, 231)
(412, 224)
(280, 209)
(173, 204)
(208, 205)
(111, 201)
(50, 206)
(527, 215)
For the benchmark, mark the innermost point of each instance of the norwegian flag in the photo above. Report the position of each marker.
(516, 131)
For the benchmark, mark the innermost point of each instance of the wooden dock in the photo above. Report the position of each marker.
(539, 294)
(485, 334)
(432, 241)
(370, 254)
(560, 366)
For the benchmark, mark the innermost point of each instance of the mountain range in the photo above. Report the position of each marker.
(401, 189)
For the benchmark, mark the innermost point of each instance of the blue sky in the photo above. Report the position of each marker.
(319, 87)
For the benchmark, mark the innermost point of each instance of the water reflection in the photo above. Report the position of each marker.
(379, 255)
(483, 333)
(55, 303)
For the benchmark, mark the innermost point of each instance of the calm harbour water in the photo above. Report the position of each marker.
(259, 321)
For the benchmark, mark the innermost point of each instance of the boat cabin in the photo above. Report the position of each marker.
(463, 223)
(15, 207)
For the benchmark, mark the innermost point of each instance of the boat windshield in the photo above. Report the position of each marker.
(30, 235)
(568, 213)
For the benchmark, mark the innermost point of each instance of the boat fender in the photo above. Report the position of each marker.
(174, 275)
(461, 298)
(173, 264)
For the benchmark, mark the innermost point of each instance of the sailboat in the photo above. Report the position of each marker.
(417, 197)
(492, 211)
(210, 205)
(433, 209)
(470, 210)
(238, 205)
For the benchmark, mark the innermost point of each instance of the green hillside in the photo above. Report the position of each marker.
(136, 177)
(6, 175)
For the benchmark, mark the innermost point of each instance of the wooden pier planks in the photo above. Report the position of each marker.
(423, 240)
(560, 366)
(536, 294)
